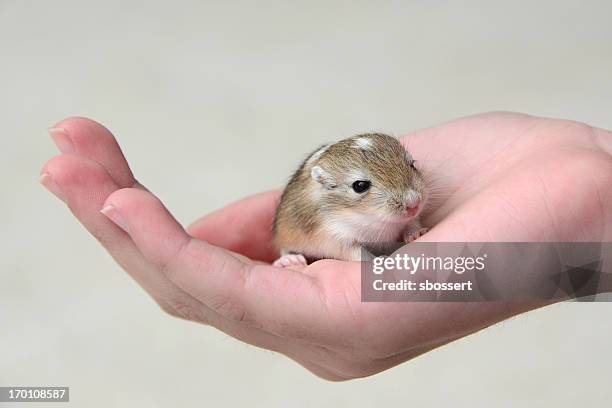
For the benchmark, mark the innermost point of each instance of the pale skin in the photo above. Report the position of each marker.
(500, 176)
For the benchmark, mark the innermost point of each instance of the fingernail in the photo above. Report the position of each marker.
(47, 181)
(112, 214)
(62, 140)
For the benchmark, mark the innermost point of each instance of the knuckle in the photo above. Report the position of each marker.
(182, 309)
(165, 306)
(231, 308)
(590, 164)
(168, 266)
(228, 302)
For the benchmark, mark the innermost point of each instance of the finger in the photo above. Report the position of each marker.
(282, 302)
(244, 227)
(446, 156)
(90, 139)
(85, 185)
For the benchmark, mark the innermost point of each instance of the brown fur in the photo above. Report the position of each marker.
(306, 204)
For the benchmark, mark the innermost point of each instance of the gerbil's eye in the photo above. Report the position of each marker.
(411, 163)
(361, 186)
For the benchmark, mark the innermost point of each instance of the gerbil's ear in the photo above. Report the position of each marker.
(323, 177)
(409, 158)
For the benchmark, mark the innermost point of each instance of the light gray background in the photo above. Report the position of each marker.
(213, 101)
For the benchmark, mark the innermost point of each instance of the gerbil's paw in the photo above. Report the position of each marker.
(410, 236)
(290, 260)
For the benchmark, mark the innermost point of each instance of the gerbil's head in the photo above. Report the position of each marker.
(371, 174)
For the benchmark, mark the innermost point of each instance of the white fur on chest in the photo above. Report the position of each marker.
(364, 228)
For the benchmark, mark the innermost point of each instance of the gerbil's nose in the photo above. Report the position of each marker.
(412, 208)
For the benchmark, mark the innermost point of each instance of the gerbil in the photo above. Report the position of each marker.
(360, 190)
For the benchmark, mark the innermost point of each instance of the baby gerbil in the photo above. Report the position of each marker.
(361, 190)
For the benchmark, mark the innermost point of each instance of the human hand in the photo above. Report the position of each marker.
(499, 177)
